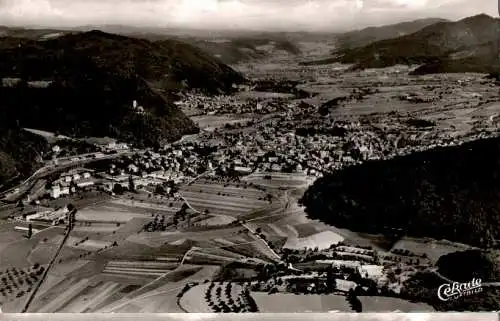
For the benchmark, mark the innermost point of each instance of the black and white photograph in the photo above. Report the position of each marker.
(253, 317)
(331, 157)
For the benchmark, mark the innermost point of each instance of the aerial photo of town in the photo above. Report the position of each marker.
(151, 171)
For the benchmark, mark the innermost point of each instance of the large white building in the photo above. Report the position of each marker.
(36, 215)
(85, 183)
(58, 191)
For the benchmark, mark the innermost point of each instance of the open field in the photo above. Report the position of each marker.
(106, 214)
(70, 286)
(432, 248)
(290, 223)
(218, 245)
(163, 296)
(131, 227)
(143, 268)
(293, 180)
(90, 297)
(224, 200)
(8, 234)
(193, 300)
(86, 244)
(291, 303)
(218, 121)
(179, 274)
(162, 302)
(306, 229)
(201, 258)
(387, 304)
(96, 227)
(231, 190)
(17, 253)
(263, 95)
(42, 253)
(146, 205)
(216, 220)
(200, 238)
(139, 252)
(77, 295)
(322, 240)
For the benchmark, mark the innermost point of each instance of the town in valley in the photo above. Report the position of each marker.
(221, 219)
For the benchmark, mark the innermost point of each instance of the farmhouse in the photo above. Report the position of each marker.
(344, 285)
(58, 191)
(372, 271)
(243, 170)
(36, 215)
(133, 168)
(85, 183)
(342, 264)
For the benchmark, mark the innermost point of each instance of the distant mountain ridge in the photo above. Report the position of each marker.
(467, 45)
(365, 36)
(244, 49)
(236, 47)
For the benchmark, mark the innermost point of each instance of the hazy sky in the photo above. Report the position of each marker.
(235, 14)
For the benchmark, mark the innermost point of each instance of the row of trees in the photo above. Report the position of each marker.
(243, 303)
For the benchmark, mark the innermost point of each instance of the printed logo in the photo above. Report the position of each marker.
(456, 290)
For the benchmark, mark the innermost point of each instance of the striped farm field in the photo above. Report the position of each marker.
(271, 179)
(144, 268)
(62, 294)
(145, 205)
(228, 189)
(199, 257)
(276, 230)
(76, 295)
(224, 199)
(91, 297)
(143, 264)
(223, 252)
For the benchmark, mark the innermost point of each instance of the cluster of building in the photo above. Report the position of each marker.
(341, 269)
(276, 145)
(54, 217)
(352, 268)
(223, 105)
(69, 182)
(173, 165)
(206, 105)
